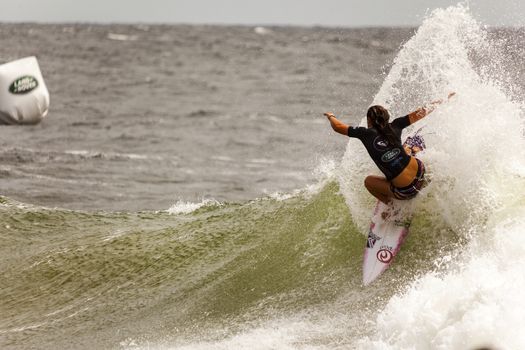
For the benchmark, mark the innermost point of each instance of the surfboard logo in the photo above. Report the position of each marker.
(372, 239)
(385, 256)
(390, 155)
(23, 85)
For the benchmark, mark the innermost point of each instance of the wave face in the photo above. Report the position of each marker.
(285, 273)
(267, 273)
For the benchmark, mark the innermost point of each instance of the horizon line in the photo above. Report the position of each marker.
(223, 24)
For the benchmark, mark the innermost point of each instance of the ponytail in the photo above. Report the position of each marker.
(379, 117)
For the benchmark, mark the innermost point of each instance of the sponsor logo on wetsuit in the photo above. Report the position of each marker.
(380, 144)
(23, 85)
(390, 155)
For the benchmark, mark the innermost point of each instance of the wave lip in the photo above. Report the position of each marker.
(472, 297)
(182, 207)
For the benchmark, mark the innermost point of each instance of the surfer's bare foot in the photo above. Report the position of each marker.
(390, 212)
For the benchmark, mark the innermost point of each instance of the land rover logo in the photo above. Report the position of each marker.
(23, 85)
(388, 156)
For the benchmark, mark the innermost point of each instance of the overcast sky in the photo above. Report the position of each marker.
(296, 12)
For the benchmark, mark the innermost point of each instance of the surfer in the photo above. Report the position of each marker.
(404, 174)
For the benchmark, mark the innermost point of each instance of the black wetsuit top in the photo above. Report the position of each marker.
(391, 159)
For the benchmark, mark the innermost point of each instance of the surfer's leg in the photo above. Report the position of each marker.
(379, 187)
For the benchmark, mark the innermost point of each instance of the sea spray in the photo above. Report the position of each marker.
(470, 139)
(475, 158)
(182, 207)
(477, 303)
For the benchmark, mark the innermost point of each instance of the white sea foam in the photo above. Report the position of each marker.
(110, 155)
(262, 30)
(477, 303)
(292, 333)
(182, 207)
(121, 37)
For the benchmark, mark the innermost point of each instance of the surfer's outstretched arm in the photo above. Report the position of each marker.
(426, 110)
(336, 124)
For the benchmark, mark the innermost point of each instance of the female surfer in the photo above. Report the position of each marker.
(404, 174)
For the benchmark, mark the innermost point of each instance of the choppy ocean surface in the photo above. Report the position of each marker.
(185, 192)
(145, 116)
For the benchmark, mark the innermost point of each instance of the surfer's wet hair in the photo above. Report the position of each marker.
(379, 117)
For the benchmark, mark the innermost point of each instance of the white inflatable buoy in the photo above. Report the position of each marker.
(24, 98)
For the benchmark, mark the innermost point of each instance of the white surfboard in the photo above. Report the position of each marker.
(388, 228)
(385, 237)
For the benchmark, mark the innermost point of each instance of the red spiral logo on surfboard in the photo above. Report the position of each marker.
(384, 255)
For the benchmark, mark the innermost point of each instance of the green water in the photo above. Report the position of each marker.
(78, 280)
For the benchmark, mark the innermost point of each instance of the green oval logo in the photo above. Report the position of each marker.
(390, 155)
(23, 85)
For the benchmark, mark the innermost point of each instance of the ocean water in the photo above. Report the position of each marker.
(209, 207)
(142, 117)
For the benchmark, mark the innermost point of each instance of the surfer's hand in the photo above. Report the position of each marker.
(336, 124)
(329, 115)
(440, 101)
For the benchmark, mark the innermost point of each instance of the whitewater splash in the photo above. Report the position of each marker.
(471, 139)
(476, 303)
(476, 165)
